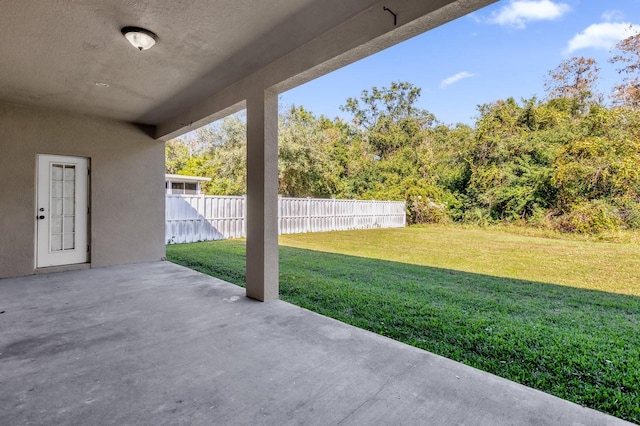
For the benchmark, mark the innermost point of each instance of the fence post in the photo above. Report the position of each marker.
(308, 224)
(333, 215)
(354, 205)
(279, 214)
(244, 216)
(202, 234)
(404, 214)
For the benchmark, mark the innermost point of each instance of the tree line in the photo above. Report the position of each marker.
(570, 161)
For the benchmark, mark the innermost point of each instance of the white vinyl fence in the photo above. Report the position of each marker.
(191, 218)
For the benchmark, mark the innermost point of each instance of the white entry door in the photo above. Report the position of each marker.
(62, 210)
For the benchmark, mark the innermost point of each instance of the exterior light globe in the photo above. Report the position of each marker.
(139, 38)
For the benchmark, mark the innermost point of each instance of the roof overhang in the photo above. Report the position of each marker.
(210, 57)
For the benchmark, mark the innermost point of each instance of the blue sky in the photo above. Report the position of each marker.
(503, 50)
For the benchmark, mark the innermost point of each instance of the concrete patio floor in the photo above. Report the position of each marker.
(159, 344)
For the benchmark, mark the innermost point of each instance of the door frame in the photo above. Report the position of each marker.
(82, 210)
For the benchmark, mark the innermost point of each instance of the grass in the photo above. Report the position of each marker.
(500, 252)
(560, 315)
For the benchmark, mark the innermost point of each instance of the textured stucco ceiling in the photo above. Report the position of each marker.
(53, 52)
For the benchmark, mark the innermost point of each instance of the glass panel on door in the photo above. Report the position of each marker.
(62, 207)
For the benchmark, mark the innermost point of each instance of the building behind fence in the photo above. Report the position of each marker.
(191, 218)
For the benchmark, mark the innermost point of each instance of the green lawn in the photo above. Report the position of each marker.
(559, 314)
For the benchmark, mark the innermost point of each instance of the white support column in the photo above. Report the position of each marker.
(262, 196)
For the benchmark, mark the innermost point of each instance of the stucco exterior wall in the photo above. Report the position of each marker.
(126, 185)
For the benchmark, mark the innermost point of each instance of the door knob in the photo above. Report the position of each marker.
(41, 217)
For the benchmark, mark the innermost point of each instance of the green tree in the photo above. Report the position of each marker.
(602, 163)
(389, 117)
(228, 153)
(176, 155)
(569, 162)
(305, 166)
(511, 164)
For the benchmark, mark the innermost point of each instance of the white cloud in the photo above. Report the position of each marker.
(612, 16)
(601, 36)
(518, 12)
(455, 78)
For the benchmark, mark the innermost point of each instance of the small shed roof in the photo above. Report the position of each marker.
(183, 178)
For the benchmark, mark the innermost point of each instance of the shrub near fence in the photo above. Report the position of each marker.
(191, 218)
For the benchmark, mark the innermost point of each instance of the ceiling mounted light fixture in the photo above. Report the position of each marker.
(140, 38)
